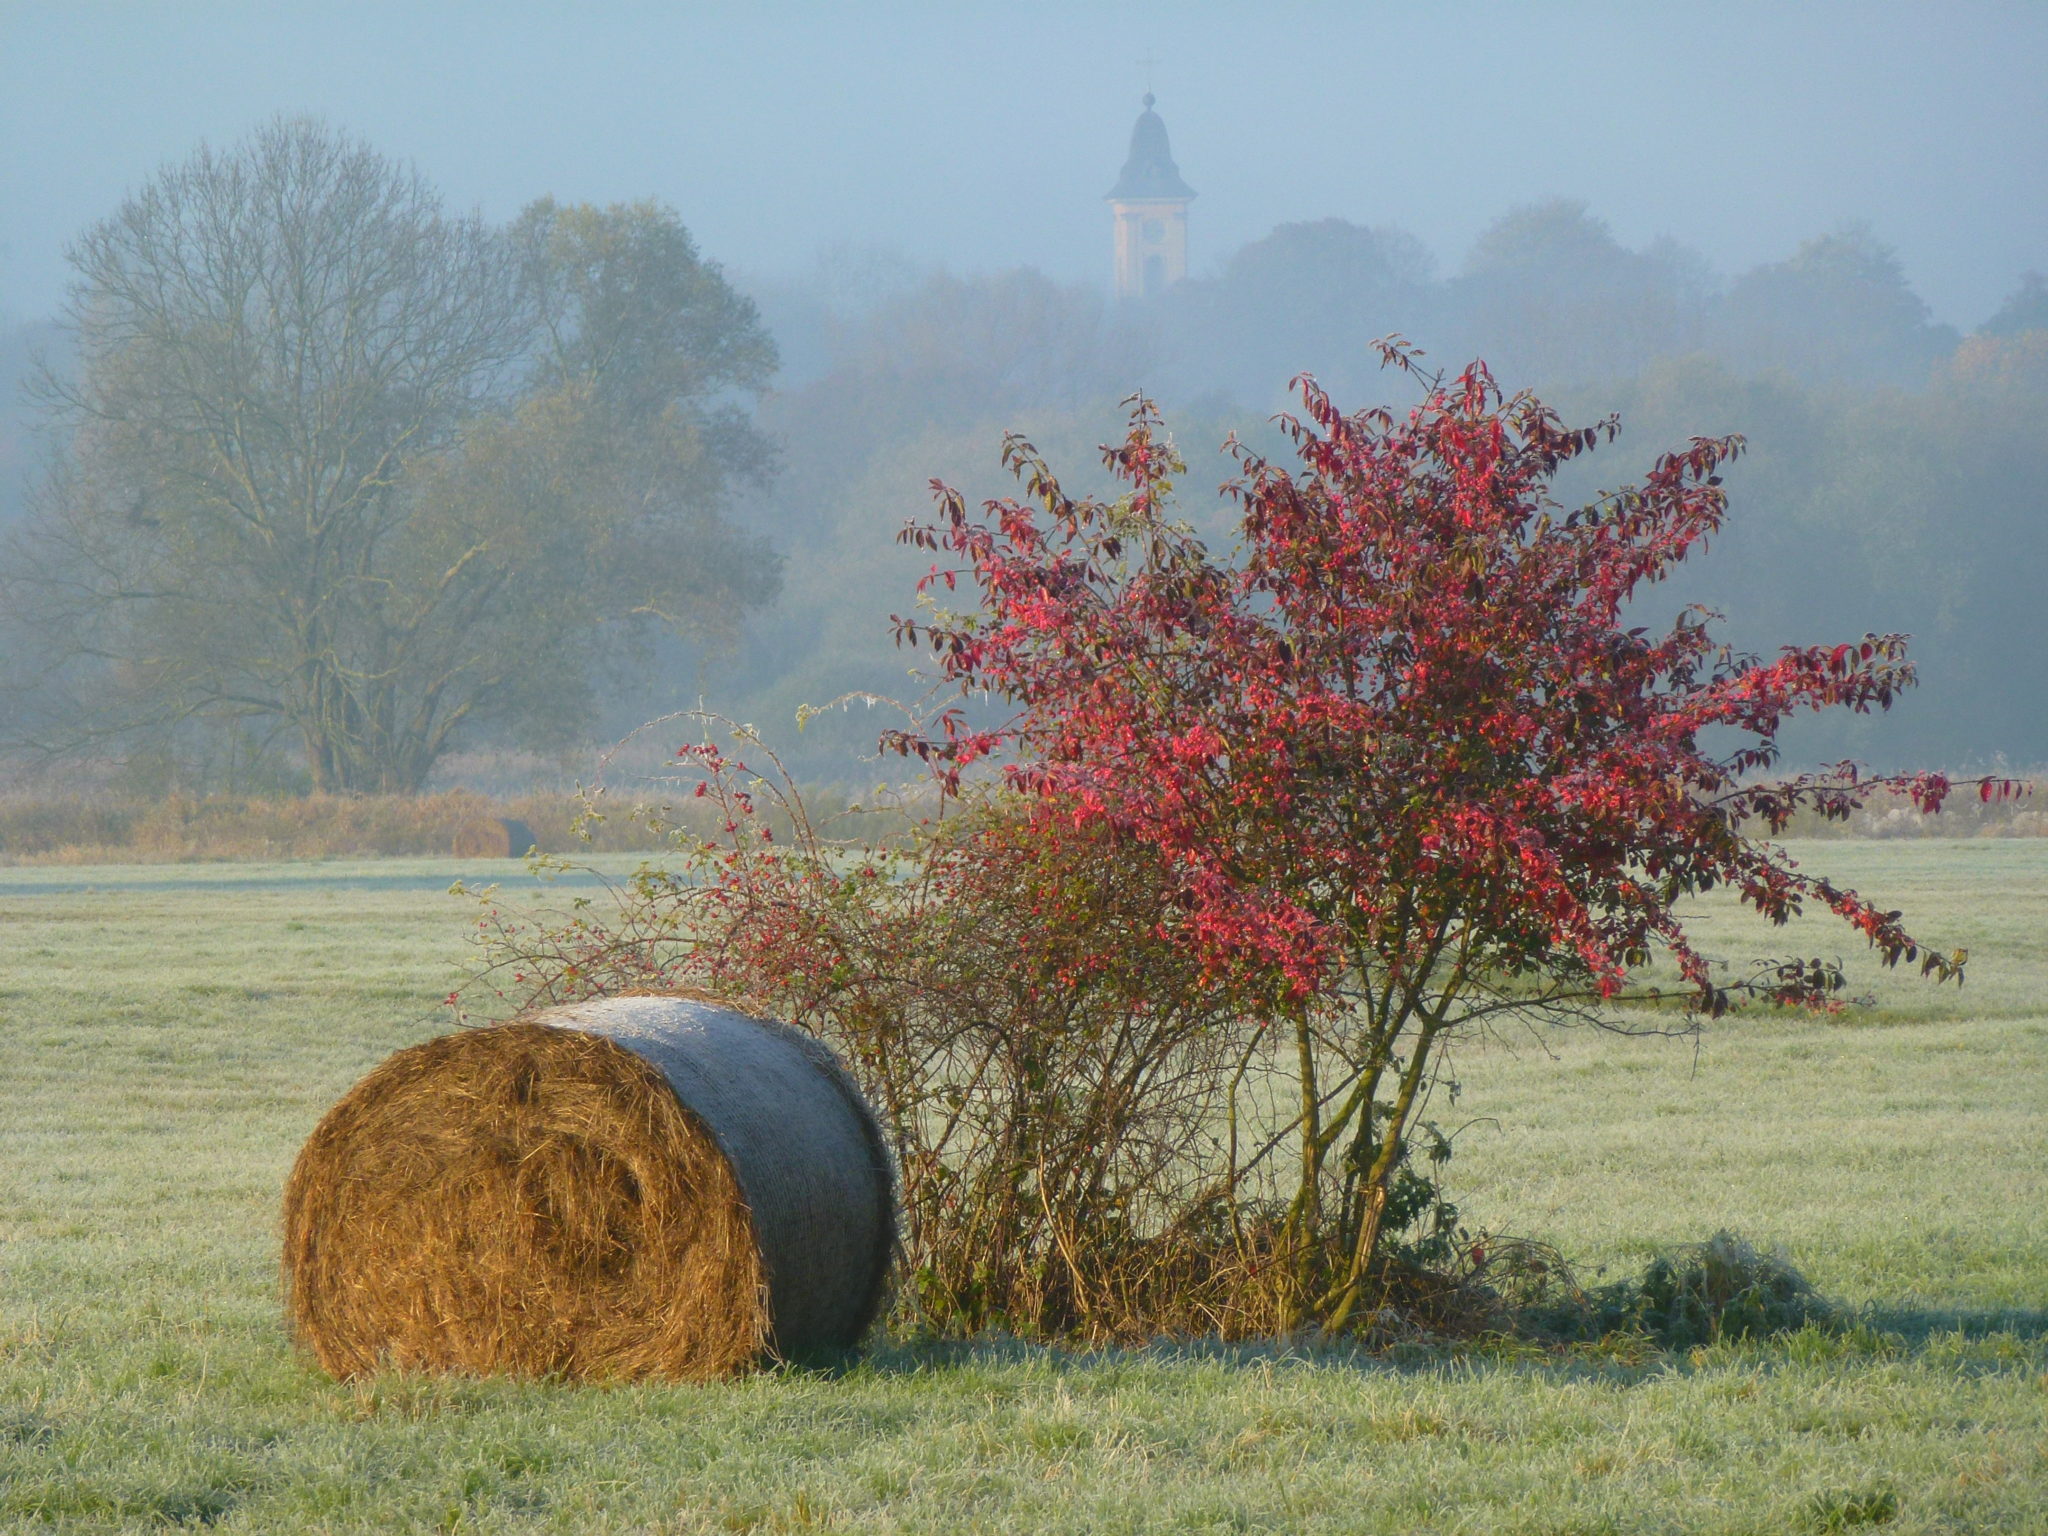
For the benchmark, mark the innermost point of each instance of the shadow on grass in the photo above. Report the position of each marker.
(1870, 1332)
(1917, 1325)
(1003, 1354)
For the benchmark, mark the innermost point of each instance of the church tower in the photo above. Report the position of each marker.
(1150, 203)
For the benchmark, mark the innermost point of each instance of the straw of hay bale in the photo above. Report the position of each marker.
(643, 1187)
(493, 837)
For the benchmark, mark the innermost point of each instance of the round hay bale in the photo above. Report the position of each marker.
(643, 1187)
(493, 837)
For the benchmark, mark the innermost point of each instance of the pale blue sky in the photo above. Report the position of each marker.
(981, 136)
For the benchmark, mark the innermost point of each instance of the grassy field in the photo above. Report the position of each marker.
(169, 1035)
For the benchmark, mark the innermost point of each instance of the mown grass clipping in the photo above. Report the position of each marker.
(635, 1188)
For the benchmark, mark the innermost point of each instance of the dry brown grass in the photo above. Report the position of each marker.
(1966, 815)
(39, 827)
(87, 829)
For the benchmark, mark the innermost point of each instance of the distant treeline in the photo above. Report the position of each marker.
(1896, 478)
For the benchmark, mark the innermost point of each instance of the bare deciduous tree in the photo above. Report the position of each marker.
(324, 470)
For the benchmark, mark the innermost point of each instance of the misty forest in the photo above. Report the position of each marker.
(319, 483)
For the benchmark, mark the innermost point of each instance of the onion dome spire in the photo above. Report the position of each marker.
(1149, 173)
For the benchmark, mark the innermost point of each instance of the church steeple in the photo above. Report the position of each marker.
(1150, 206)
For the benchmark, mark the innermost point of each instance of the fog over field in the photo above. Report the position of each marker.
(980, 137)
(1373, 999)
(1819, 226)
